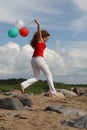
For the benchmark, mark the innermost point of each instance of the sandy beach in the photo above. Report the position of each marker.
(35, 118)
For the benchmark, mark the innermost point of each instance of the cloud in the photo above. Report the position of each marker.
(53, 15)
(15, 61)
(26, 9)
(79, 25)
(76, 65)
(81, 4)
(74, 56)
(49, 13)
(69, 45)
(77, 59)
(67, 66)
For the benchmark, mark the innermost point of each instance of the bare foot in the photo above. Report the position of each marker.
(55, 94)
(22, 89)
(58, 94)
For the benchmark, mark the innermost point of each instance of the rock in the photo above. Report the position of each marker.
(11, 104)
(67, 93)
(66, 110)
(24, 99)
(80, 123)
(26, 102)
(59, 95)
(13, 92)
(80, 91)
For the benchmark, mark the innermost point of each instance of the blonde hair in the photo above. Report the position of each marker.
(35, 37)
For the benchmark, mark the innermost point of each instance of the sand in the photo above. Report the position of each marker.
(35, 118)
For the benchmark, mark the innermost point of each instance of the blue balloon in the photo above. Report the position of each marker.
(13, 32)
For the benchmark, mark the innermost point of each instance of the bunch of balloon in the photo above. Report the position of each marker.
(18, 29)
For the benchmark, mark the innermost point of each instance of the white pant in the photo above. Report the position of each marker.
(38, 63)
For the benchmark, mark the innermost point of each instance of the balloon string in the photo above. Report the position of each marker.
(30, 22)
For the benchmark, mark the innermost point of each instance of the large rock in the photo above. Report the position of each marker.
(24, 99)
(67, 93)
(80, 123)
(80, 90)
(66, 110)
(11, 104)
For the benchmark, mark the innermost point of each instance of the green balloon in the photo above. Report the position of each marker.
(13, 32)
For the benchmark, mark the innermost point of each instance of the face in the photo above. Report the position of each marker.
(45, 39)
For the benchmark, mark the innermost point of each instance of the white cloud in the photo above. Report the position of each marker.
(69, 66)
(81, 45)
(29, 9)
(79, 25)
(77, 58)
(52, 13)
(15, 61)
(81, 4)
(75, 61)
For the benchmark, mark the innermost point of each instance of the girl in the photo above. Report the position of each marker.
(38, 63)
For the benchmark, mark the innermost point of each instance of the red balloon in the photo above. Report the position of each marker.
(24, 32)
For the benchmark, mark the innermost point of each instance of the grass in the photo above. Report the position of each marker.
(38, 87)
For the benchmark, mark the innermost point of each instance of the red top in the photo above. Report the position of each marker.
(39, 48)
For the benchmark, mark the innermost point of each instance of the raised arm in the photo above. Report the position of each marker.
(39, 30)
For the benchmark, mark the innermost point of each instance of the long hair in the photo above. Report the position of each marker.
(35, 37)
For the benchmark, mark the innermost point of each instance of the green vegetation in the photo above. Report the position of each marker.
(38, 87)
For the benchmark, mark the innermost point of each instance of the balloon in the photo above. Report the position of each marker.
(19, 24)
(24, 32)
(13, 32)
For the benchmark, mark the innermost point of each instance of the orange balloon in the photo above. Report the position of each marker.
(24, 32)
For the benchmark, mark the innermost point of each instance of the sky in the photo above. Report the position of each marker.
(66, 52)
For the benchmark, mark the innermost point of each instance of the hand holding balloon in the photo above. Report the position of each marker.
(36, 21)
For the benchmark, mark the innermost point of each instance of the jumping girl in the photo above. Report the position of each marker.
(38, 63)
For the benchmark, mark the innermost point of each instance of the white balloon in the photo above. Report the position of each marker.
(19, 24)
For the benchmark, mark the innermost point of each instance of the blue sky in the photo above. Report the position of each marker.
(66, 49)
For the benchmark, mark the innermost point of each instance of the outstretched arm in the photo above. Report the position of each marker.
(38, 30)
